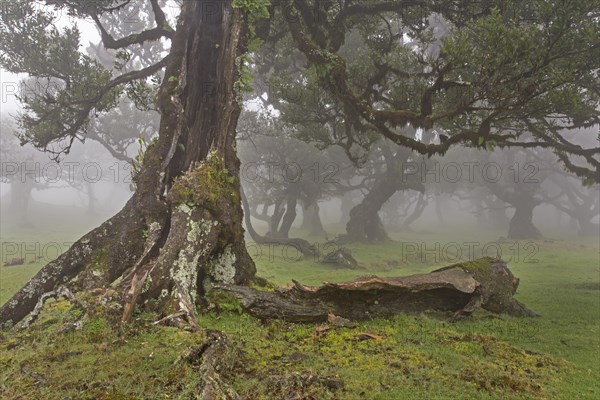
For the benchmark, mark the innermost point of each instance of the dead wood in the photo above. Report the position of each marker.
(460, 289)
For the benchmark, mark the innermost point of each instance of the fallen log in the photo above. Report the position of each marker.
(14, 261)
(460, 288)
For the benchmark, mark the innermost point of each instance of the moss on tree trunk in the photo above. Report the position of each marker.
(181, 232)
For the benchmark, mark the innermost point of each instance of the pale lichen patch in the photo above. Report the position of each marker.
(197, 230)
(185, 268)
(185, 272)
(222, 270)
(184, 208)
(154, 227)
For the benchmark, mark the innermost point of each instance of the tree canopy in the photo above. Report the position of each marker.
(505, 73)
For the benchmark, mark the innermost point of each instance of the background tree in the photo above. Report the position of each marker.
(16, 162)
(514, 97)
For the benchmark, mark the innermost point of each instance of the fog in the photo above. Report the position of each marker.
(305, 199)
(456, 192)
(291, 167)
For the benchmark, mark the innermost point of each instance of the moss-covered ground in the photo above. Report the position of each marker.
(555, 356)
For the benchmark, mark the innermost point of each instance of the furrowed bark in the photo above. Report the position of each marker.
(181, 232)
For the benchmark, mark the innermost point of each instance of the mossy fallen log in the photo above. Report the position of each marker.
(460, 289)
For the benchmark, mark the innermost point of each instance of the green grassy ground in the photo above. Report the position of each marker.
(555, 356)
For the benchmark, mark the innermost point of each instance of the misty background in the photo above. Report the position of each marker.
(295, 181)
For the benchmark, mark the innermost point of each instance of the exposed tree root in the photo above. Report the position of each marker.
(39, 378)
(61, 291)
(461, 289)
(341, 257)
(214, 358)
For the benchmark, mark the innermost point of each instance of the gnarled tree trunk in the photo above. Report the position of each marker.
(521, 224)
(181, 232)
(365, 224)
(420, 206)
(289, 216)
(311, 219)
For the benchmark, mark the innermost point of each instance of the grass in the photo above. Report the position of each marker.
(555, 356)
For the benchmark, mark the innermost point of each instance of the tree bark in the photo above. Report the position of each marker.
(311, 219)
(522, 196)
(461, 289)
(289, 216)
(365, 224)
(181, 232)
(521, 224)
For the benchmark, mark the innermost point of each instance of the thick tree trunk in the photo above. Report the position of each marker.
(289, 216)
(521, 224)
(311, 219)
(365, 224)
(181, 232)
(522, 196)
